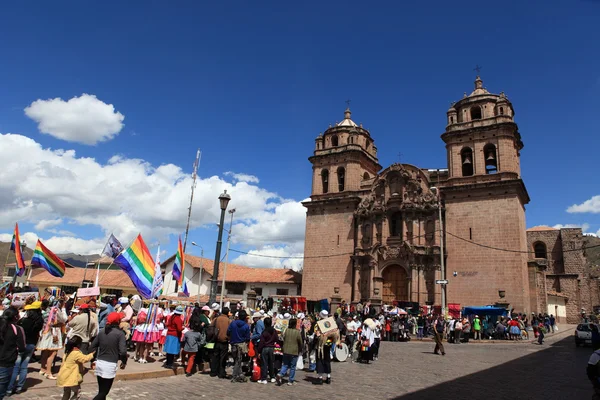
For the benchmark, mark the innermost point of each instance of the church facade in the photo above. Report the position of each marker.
(373, 234)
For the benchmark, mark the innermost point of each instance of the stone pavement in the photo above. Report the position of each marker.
(555, 370)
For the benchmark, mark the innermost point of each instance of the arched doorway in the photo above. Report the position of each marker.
(395, 284)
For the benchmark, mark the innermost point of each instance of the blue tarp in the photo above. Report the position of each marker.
(486, 310)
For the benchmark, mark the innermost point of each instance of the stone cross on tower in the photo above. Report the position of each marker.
(348, 103)
(477, 68)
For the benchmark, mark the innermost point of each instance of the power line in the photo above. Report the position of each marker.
(519, 251)
(324, 256)
(415, 237)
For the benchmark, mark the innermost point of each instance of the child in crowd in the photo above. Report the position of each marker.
(70, 374)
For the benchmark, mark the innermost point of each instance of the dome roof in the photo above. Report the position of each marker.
(347, 121)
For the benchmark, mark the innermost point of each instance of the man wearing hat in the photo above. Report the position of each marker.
(258, 326)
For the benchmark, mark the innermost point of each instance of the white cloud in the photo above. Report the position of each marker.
(48, 223)
(83, 119)
(584, 227)
(589, 206)
(60, 244)
(256, 258)
(127, 196)
(242, 177)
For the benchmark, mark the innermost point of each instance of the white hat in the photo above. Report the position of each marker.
(287, 316)
(215, 306)
(279, 316)
(123, 300)
(262, 312)
(324, 314)
(300, 315)
(270, 314)
(256, 315)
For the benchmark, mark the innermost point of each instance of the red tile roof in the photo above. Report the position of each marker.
(114, 279)
(240, 273)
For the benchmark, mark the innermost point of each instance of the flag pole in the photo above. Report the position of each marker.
(187, 227)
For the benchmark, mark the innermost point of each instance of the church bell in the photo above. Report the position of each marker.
(467, 160)
(490, 159)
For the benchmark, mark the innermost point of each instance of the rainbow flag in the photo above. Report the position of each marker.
(42, 257)
(15, 246)
(179, 264)
(138, 264)
(184, 289)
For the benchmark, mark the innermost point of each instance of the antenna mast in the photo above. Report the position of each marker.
(194, 176)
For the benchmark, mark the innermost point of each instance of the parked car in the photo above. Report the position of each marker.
(583, 334)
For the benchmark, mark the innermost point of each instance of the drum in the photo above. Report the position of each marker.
(341, 354)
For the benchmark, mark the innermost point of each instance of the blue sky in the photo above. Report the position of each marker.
(253, 85)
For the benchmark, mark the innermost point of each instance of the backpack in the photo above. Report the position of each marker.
(212, 332)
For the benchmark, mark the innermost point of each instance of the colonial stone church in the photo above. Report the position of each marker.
(373, 234)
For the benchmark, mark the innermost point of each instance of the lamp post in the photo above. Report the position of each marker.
(201, 268)
(224, 200)
(232, 211)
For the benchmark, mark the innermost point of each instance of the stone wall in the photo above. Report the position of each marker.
(330, 233)
(491, 219)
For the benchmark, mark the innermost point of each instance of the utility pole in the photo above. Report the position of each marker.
(442, 261)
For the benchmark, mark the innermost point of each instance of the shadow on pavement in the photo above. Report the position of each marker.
(557, 372)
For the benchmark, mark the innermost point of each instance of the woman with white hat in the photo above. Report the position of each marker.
(172, 343)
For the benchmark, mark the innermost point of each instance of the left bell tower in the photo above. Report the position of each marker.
(344, 162)
(345, 155)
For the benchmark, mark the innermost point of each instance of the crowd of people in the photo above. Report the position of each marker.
(70, 336)
(265, 346)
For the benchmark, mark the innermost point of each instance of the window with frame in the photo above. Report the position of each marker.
(236, 288)
(282, 292)
(540, 250)
(325, 180)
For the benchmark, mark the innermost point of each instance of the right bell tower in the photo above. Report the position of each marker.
(482, 138)
(484, 199)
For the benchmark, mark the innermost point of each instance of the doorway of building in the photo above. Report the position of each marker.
(395, 284)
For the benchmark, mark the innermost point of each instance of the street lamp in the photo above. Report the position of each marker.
(232, 211)
(201, 268)
(224, 200)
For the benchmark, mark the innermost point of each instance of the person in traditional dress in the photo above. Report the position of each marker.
(51, 341)
(323, 351)
(367, 341)
(173, 341)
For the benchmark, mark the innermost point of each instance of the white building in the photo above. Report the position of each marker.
(238, 279)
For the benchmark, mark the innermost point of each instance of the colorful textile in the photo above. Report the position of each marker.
(15, 246)
(179, 263)
(157, 284)
(138, 264)
(184, 289)
(42, 257)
